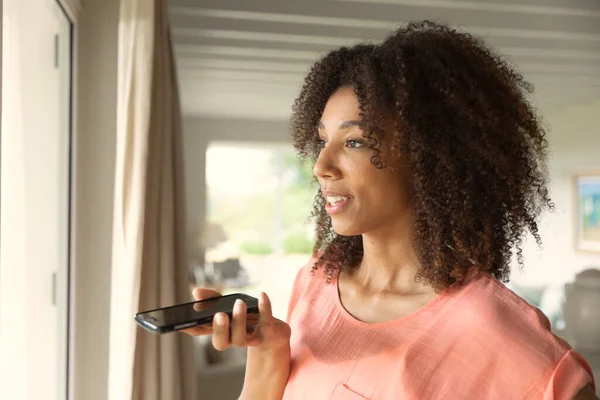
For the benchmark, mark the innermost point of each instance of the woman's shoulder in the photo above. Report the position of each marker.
(311, 273)
(307, 277)
(485, 299)
(508, 331)
(485, 305)
(306, 273)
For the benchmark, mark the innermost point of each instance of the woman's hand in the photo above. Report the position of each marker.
(267, 339)
(243, 330)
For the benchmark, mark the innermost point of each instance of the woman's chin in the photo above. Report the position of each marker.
(345, 229)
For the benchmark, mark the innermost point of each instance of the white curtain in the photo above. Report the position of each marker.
(149, 266)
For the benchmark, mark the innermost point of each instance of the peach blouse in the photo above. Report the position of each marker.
(474, 341)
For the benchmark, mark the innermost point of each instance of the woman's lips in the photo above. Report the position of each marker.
(336, 201)
(336, 204)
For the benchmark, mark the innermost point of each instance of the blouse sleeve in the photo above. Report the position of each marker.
(570, 376)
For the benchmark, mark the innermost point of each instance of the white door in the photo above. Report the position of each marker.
(34, 207)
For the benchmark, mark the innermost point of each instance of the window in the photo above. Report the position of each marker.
(258, 234)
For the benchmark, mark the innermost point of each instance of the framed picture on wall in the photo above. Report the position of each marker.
(587, 198)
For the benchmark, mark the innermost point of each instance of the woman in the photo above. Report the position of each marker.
(431, 165)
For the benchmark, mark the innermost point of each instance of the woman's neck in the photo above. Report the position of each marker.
(390, 262)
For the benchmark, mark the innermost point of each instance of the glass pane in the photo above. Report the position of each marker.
(258, 233)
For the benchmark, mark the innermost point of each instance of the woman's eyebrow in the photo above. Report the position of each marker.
(343, 125)
(349, 124)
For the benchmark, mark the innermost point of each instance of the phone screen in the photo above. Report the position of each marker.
(191, 314)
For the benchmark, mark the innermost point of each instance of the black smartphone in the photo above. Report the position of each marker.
(187, 315)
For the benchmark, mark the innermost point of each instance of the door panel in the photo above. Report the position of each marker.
(34, 220)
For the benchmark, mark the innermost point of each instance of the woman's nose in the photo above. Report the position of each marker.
(326, 166)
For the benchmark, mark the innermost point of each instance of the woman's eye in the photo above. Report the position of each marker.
(355, 144)
(321, 143)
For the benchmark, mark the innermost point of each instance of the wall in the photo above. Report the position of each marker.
(197, 133)
(95, 114)
(574, 146)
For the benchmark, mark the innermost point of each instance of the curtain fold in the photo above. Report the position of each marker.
(149, 267)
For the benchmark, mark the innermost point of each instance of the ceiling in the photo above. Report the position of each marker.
(247, 59)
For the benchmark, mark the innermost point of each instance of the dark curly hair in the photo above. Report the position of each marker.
(459, 115)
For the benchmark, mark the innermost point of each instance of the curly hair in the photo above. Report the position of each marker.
(459, 115)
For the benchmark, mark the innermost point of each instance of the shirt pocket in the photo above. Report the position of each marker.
(342, 392)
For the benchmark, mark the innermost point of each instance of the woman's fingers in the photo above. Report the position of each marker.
(220, 337)
(265, 314)
(203, 294)
(242, 329)
(238, 324)
(199, 330)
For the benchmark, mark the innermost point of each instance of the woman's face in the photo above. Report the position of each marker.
(360, 198)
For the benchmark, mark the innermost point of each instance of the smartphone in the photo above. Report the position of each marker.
(187, 315)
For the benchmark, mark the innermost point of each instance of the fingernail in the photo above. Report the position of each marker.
(238, 307)
(220, 318)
